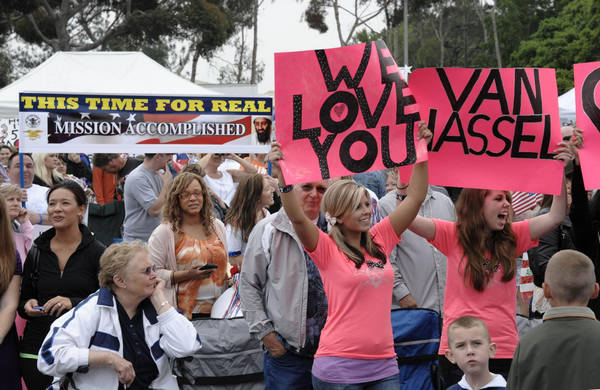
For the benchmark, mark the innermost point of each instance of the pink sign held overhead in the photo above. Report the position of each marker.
(343, 111)
(587, 111)
(493, 128)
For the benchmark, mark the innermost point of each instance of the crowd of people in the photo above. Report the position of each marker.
(315, 267)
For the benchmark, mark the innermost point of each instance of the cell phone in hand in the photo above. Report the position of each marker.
(38, 308)
(208, 266)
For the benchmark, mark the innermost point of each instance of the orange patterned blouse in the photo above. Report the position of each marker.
(198, 296)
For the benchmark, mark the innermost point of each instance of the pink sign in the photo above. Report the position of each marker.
(343, 111)
(493, 128)
(587, 111)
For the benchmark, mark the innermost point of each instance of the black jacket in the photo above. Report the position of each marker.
(78, 280)
(561, 237)
(585, 216)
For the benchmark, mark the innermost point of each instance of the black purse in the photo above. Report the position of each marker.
(34, 275)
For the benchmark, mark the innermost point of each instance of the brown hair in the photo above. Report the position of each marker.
(194, 168)
(103, 159)
(341, 197)
(241, 215)
(172, 211)
(500, 244)
(8, 257)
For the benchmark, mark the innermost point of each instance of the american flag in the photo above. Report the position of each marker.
(180, 160)
(525, 201)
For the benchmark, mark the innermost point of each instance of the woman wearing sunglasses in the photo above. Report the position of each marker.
(60, 271)
(125, 333)
(189, 247)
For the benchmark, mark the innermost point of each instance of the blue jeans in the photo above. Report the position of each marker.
(389, 383)
(289, 371)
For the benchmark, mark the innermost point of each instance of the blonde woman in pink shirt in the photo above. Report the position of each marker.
(481, 247)
(356, 348)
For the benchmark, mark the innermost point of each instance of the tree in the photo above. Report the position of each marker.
(317, 11)
(571, 37)
(517, 20)
(208, 25)
(237, 72)
(245, 60)
(155, 27)
(66, 25)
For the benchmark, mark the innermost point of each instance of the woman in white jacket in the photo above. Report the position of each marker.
(123, 333)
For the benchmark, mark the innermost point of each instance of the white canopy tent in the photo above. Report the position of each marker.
(566, 107)
(129, 73)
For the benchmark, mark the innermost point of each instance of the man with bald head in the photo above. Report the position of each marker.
(563, 352)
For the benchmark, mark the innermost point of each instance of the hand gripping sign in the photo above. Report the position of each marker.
(587, 111)
(493, 128)
(343, 111)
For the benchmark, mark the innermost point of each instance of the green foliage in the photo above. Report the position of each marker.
(571, 37)
(151, 26)
(463, 37)
(5, 69)
(207, 24)
(315, 15)
(519, 19)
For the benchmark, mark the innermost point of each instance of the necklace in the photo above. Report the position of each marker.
(486, 265)
(372, 264)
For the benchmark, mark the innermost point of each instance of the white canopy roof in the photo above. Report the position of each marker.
(566, 106)
(128, 73)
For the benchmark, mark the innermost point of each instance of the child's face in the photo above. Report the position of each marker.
(470, 349)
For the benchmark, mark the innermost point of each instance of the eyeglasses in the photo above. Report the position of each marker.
(148, 271)
(188, 195)
(308, 188)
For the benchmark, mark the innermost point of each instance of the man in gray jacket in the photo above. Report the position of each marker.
(282, 293)
(419, 268)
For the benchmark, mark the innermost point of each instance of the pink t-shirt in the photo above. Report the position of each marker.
(496, 305)
(358, 317)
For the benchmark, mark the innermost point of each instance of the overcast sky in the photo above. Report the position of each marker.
(280, 29)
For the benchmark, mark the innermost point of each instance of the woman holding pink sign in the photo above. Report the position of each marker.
(356, 346)
(481, 247)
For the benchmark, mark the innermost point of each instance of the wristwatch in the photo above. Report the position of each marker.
(285, 189)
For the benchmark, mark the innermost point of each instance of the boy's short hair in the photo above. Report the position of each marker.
(570, 277)
(466, 322)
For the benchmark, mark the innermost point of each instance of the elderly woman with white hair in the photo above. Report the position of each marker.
(126, 332)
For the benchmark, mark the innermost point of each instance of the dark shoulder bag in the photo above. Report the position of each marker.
(35, 272)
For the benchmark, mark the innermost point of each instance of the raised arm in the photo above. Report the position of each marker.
(408, 209)
(249, 169)
(307, 232)
(542, 224)
(424, 227)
